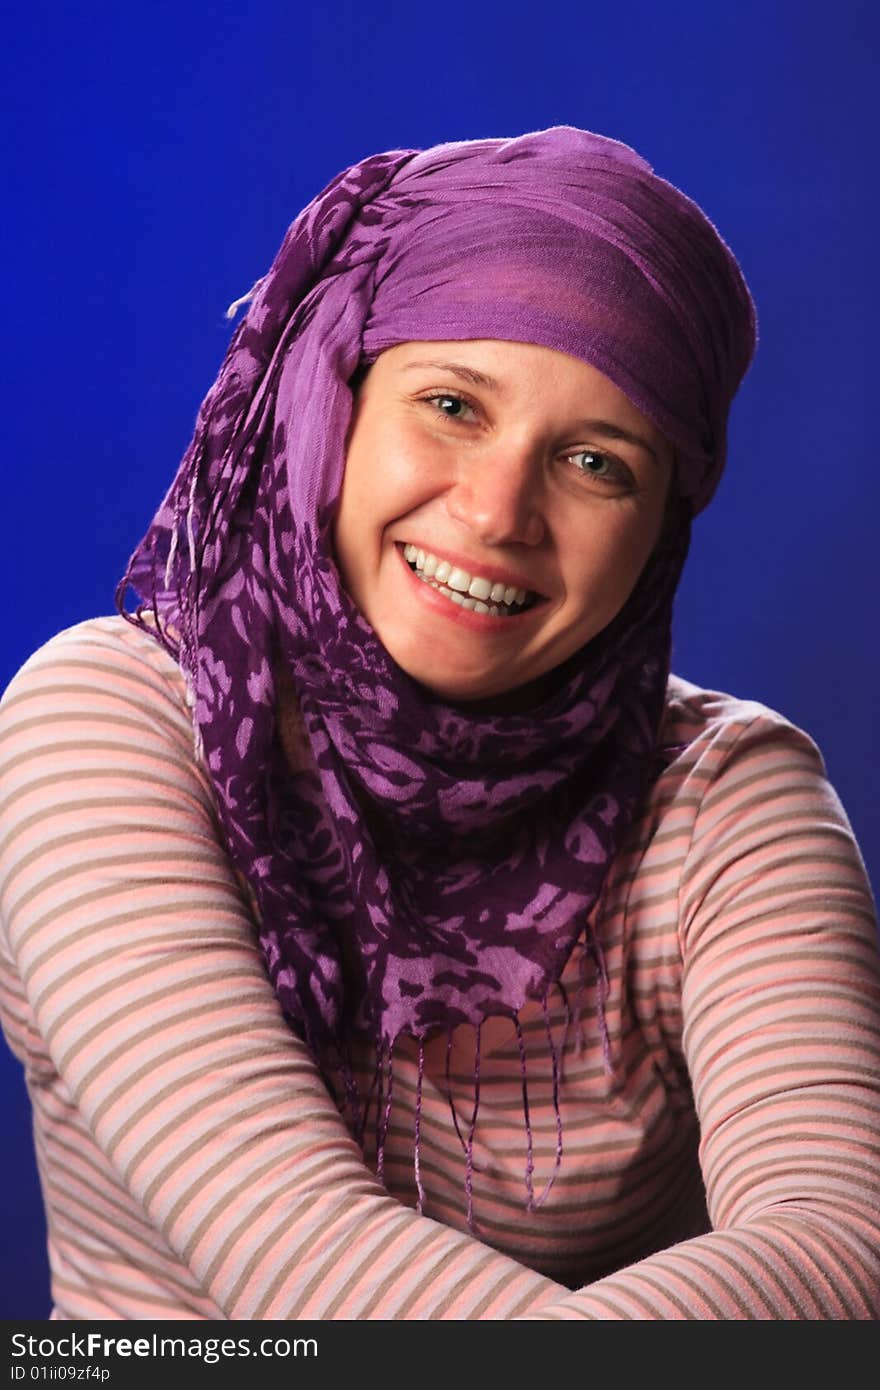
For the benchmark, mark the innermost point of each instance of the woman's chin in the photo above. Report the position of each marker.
(454, 690)
(480, 692)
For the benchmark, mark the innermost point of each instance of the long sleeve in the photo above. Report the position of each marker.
(194, 1165)
(781, 1034)
(135, 991)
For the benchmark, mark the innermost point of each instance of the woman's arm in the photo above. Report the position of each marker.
(781, 1005)
(123, 919)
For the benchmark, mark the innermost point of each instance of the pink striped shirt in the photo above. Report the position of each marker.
(194, 1166)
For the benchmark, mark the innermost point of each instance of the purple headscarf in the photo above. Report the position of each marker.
(456, 854)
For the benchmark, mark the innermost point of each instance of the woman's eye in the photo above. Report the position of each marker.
(446, 403)
(594, 464)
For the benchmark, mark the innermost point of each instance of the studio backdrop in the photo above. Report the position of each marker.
(156, 155)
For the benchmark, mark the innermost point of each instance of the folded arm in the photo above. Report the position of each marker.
(781, 1006)
(124, 920)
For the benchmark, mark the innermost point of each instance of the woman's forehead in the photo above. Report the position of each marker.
(513, 371)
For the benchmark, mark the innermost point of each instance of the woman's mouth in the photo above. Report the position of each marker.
(472, 591)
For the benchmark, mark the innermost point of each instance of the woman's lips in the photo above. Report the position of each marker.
(473, 613)
(491, 574)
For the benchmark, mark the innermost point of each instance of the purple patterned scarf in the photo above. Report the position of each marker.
(457, 854)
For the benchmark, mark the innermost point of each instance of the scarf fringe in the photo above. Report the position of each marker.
(530, 1157)
(417, 1134)
(383, 1113)
(469, 1165)
(449, 1099)
(591, 950)
(556, 1055)
(382, 1085)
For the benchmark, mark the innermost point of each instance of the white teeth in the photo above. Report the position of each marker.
(479, 588)
(465, 601)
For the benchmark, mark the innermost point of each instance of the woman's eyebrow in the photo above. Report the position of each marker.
(610, 431)
(469, 374)
(605, 428)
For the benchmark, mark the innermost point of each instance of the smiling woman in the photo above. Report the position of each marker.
(386, 933)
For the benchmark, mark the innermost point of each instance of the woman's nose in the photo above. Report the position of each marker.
(497, 496)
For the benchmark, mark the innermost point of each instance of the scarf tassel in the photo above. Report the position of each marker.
(385, 1066)
(591, 950)
(383, 1082)
(472, 1128)
(417, 1134)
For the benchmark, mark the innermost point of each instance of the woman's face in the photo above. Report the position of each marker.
(493, 471)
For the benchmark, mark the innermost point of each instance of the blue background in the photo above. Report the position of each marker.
(156, 156)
